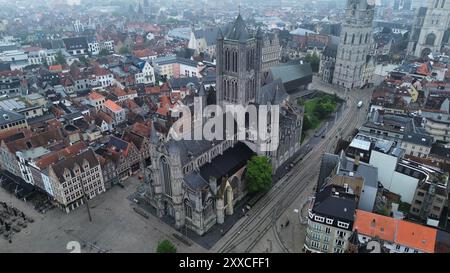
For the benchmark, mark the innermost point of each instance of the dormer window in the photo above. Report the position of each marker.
(85, 165)
(67, 174)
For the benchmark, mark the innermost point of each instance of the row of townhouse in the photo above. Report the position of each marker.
(70, 174)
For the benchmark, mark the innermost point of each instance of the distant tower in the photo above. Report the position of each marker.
(431, 28)
(353, 60)
(239, 62)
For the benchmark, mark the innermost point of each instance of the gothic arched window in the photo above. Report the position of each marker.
(165, 169)
(235, 87)
(254, 89)
(345, 38)
(227, 59)
(430, 39)
(367, 37)
(235, 61)
(353, 39)
(187, 209)
(248, 60)
(225, 86)
(360, 38)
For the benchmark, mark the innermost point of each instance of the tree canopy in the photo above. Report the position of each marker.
(259, 174)
(166, 246)
(60, 59)
(314, 60)
(103, 52)
(124, 50)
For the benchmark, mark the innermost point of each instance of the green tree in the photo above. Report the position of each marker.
(124, 50)
(103, 52)
(83, 59)
(60, 59)
(306, 123)
(166, 246)
(324, 109)
(314, 60)
(259, 174)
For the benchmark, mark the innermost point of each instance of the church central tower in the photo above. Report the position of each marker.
(354, 63)
(239, 62)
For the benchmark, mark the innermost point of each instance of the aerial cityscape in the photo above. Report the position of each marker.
(224, 126)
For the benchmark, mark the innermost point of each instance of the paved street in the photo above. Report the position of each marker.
(115, 227)
(257, 233)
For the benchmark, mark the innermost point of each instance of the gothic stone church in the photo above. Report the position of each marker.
(198, 182)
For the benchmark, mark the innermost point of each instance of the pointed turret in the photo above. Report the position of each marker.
(238, 31)
(153, 135)
(259, 34)
(353, 242)
(220, 34)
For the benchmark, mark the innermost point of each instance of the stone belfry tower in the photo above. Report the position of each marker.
(239, 62)
(434, 30)
(354, 61)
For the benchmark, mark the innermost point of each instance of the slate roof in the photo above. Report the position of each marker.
(194, 148)
(75, 43)
(228, 163)
(419, 139)
(5, 67)
(177, 83)
(292, 75)
(440, 151)
(195, 181)
(174, 59)
(209, 34)
(341, 206)
(238, 30)
(7, 117)
(69, 163)
(442, 242)
(293, 72)
(273, 92)
(117, 143)
(327, 165)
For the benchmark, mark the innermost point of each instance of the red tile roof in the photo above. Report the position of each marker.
(55, 67)
(54, 157)
(146, 52)
(100, 71)
(112, 106)
(152, 90)
(141, 129)
(402, 232)
(104, 116)
(95, 96)
(416, 236)
(372, 224)
(119, 92)
(11, 73)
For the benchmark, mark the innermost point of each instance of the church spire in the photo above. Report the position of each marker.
(220, 34)
(153, 136)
